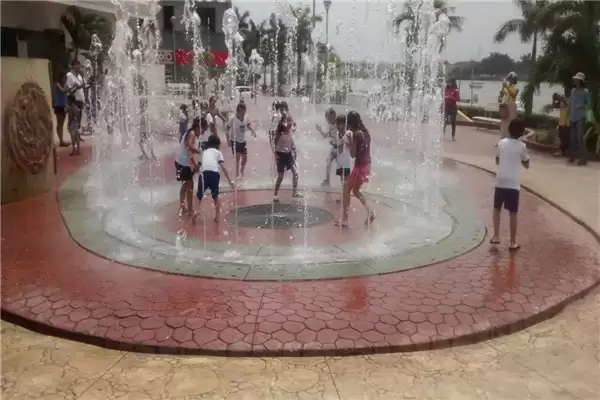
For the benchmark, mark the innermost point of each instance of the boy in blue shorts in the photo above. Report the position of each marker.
(512, 154)
(210, 177)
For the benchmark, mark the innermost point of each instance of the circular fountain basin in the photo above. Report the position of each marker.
(140, 227)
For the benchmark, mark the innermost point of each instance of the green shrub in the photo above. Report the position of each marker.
(535, 121)
(548, 137)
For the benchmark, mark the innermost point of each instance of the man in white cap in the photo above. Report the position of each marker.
(578, 105)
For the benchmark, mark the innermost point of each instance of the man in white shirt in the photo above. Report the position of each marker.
(512, 154)
(74, 85)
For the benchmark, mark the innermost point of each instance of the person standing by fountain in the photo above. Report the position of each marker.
(185, 165)
(330, 135)
(215, 113)
(512, 153)
(578, 105)
(183, 120)
(508, 103)
(145, 143)
(75, 85)
(60, 108)
(235, 132)
(210, 177)
(285, 152)
(343, 156)
(360, 150)
(451, 99)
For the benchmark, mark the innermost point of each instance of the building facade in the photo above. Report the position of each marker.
(176, 45)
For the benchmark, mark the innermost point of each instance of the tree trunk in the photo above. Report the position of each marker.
(298, 69)
(529, 99)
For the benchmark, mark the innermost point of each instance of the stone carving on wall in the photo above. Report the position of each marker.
(28, 124)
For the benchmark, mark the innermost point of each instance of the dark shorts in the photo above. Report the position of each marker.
(509, 198)
(60, 110)
(343, 172)
(284, 161)
(239, 148)
(183, 173)
(208, 180)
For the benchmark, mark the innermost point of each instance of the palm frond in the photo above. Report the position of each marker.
(509, 27)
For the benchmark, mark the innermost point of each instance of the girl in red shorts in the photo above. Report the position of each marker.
(360, 150)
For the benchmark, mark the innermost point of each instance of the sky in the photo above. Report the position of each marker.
(370, 19)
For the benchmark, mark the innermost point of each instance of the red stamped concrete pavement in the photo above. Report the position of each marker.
(51, 284)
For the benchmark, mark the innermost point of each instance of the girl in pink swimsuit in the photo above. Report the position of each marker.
(360, 150)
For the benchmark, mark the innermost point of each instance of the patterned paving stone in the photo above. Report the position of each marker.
(53, 285)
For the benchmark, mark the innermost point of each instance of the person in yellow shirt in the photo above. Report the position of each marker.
(508, 103)
(563, 125)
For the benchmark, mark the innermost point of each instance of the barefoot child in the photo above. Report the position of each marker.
(360, 150)
(330, 135)
(145, 142)
(215, 113)
(285, 151)
(185, 164)
(183, 120)
(343, 157)
(512, 153)
(209, 179)
(236, 138)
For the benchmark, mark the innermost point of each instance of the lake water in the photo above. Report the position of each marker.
(487, 95)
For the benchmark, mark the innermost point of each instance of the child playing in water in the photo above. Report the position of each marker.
(360, 150)
(512, 154)
(343, 156)
(285, 152)
(183, 120)
(330, 135)
(215, 113)
(186, 163)
(209, 179)
(145, 142)
(236, 138)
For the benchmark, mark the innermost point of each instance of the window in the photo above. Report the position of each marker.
(9, 45)
(168, 13)
(208, 17)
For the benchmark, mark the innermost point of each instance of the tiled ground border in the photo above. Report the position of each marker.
(55, 287)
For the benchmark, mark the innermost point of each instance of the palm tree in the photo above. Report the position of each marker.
(572, 45)
(303, 35)
(243, 21)
(81, 26)
(529, 29)
(410, 14)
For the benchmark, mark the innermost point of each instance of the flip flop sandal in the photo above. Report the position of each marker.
(494, 241)
(339, 224)
(297, 196)
(514, 248)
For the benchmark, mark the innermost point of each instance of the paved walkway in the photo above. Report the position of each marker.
(556, 359)
(573, 188)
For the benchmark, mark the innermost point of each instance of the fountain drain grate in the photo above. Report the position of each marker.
(279, 216)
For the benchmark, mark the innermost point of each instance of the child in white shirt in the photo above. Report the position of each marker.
(145, 143)
(236, 138)
(512, 154)
(210, 177)
(331, 135)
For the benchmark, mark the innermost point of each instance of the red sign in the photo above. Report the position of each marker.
(185, 57)
(219, 57)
